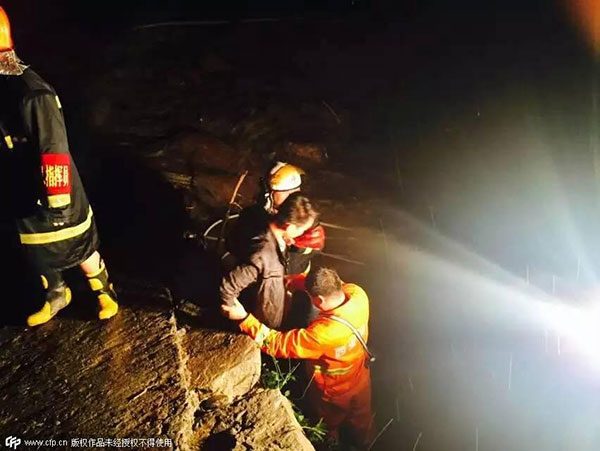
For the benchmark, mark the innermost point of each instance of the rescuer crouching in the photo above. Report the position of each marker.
(334, 346)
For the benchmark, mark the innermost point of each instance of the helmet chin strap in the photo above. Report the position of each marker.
(270, 202)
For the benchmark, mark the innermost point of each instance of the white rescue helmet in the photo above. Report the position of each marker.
(285, 177)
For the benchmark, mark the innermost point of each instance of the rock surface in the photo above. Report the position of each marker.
(207, 169)
(306, 155)
(222, 363)
(141, 375)
(73, 378)
(263, 419)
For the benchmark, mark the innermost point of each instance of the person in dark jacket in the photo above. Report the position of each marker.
(48, 203)
(282, 180)
(266, 265)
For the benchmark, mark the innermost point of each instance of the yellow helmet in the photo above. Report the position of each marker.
(6, 42)
(285, 177)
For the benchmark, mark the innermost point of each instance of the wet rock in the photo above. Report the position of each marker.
(306, 155)
(222, 363)
(178, 180)
(203, 152)
(206, 169)
(141, 375)
(216, 190)
(262, 420)
(118, 379)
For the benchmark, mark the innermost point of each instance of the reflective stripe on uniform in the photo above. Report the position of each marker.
(59, 200)
(9, 142)
(59, 235)
(307, 270)
(262, 334)
(332, 371)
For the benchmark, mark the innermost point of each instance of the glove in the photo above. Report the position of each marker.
(313, 238)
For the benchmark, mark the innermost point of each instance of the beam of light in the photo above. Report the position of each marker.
(579, 326)
(444, 296)
(448, 281)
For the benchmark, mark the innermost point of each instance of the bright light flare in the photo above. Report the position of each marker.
(579, 327)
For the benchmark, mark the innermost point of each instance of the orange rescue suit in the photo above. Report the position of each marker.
(336, 361)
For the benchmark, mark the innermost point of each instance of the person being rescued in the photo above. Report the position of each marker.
(264, 270)
(334, 346)
(282, 180)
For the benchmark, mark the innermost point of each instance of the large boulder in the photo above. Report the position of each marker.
(222, 363)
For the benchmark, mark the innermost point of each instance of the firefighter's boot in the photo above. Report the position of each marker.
(107, 298)
(58, 296)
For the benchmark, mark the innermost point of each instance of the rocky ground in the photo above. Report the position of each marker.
(148, 374)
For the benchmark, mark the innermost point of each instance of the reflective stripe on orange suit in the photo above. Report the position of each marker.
(335, 358)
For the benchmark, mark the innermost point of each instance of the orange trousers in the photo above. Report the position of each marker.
(351, 412)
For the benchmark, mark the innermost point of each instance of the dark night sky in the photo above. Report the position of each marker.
(34, 18)
(113, 12)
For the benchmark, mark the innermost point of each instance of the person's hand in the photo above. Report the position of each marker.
(235, 312)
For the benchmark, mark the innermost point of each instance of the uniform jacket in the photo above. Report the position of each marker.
(335, 356)
(43, 191)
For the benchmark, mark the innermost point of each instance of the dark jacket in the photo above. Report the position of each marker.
(265, 267)
(47, 199)
(251, 222)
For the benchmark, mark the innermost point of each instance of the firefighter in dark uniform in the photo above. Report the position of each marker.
(54, 220)
(282, 180)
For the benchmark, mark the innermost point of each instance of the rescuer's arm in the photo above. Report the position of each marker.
(235, 281)
(44, 118)
(295, 344)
